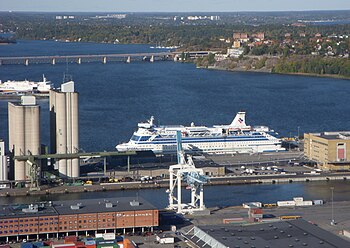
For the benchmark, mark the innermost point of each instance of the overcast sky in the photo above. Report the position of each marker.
(171, 5)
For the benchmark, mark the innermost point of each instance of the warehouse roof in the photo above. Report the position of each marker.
(74, 207)
(102, 205)
(27, 210)
(294, 233)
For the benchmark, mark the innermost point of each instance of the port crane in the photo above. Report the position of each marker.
(185, 171)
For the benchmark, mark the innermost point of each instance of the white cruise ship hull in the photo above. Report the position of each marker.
(234, 138)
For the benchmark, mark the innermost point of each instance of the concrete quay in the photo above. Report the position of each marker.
(227, 180)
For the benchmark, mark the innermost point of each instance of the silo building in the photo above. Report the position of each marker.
(64, 131)
(24, 133)
(3, 162)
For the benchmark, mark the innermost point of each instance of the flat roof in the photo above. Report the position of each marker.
(339, 135)
(99, 205)
(293, 233)
(82, 206)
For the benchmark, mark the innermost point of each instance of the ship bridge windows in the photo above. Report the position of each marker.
(140, 138)
(144, 138)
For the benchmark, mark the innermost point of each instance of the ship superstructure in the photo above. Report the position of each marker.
(25, 86)
(236, 137)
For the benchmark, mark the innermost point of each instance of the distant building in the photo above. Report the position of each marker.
(298, 24)
(287, 35)
(3, 162)
(236, 44)
(64, 128)
(260, 36)
(24, 133)
(331, 150)
(241, 37)
(235, 52)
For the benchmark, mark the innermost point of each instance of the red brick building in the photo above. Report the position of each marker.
(78, 217)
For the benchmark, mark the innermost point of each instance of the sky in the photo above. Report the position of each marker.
(171, 5)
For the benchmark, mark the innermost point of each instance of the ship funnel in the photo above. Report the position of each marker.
(239, 121)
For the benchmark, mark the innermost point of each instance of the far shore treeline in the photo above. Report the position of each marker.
(294, 42)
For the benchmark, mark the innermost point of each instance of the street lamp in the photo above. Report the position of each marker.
(298, 132)
(333, 223)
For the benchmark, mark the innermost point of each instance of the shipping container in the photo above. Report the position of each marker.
(318, 202)
(79, 243)
(104, 242)
(127, 244)
(303, 203)
(286, 203)
(256, 216)
(48, 243)
(233, 221)
(27, 245)
(107, 246)
(70, 239)
(90, 242)
(38, 244)
(90, 246)
(71, 245)
(298, 199)
(5, 246)
(108, 236)
(119, 238)
(166, 240)
(252, 205)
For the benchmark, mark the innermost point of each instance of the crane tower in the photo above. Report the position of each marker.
(185, 171)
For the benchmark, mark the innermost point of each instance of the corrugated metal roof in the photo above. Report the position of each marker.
(294, 233)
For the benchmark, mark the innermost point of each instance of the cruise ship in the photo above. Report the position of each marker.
(25, 87)
(236, 137)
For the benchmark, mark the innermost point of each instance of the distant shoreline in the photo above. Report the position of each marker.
(219, 68)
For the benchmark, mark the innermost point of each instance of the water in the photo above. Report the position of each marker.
(114, 97)
(227, 195)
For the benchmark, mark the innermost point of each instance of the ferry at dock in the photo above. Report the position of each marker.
(236, 137)
(25, 87)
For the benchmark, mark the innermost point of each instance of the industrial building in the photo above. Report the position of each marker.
(3, 162)
(294, 233)
(64, 128)
(24, 133)
(328, 149)
(76, 217)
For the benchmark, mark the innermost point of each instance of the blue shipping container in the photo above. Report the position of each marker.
(90, 242)
(38, 244)
(119, 238)
(27, 245)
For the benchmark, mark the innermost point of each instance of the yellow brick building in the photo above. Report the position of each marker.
(329, 149)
